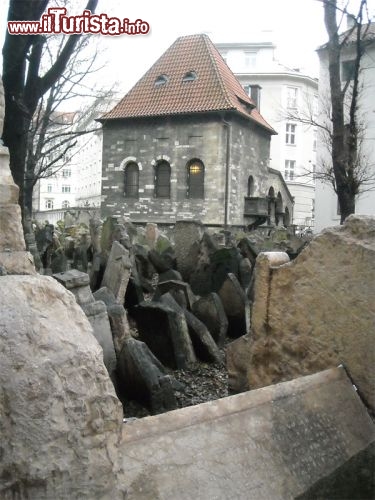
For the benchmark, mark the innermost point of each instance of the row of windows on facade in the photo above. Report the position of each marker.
(65, 172)
(49, 205)
(162, 181)
(64, 188)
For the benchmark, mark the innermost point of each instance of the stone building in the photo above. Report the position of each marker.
(187, 142)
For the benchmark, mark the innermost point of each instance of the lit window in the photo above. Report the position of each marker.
(162, 180)
(289, 169)
(49, 204)
(195, 185)
(291, 97)
(190, 76)
(290, 133)
(131, 180)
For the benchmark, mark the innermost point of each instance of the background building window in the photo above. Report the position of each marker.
(65, 204)
(250, 59)
(65, 188)
(195, 185)
(66, 172)
(49, 204)
(49, 188)
(131, 180)
(290, 134)
(289, 169)
(347, 70)
(162, 179)
(291, 97)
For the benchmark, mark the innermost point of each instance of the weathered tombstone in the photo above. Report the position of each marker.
(210, 311)
(178, 289)
(204, 345)
(117, 318)
(245, 274)
(143, 378)
(117, 271)
(169, 275)
(158, 261)
(78, 283)
(165, 332)
(187, 237)
(237, 355)
(236, 306)
(273, 443)
(151, 234)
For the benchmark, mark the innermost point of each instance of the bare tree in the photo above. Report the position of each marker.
(53, 134)
(25, 82)
(339, 123)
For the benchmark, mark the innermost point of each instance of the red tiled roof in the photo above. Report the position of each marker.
(214, 89)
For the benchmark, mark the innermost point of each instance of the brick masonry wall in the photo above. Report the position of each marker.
(178, 140)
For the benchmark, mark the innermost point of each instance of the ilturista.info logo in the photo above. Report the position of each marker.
(56, 21)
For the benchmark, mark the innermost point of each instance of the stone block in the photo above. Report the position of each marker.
(11, 236)
(180, 290)
(60, 417)
(72, 278)
(18, 262)
(187, 237)
(8, 194)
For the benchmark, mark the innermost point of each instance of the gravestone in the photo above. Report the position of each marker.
(117, 271)
(236, 306)
(210, 311)
(271, 443)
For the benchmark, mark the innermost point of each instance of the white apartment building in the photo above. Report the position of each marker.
(76, 180)
(327, 210)
(282, 94)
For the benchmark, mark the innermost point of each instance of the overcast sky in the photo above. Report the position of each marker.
(295, 26)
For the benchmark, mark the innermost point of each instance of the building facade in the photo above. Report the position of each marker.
(283, 96)
(187, 143)
(327, 209)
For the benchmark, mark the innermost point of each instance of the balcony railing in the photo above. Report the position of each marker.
(255, 206)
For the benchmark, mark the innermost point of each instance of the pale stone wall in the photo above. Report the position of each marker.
(319, 310)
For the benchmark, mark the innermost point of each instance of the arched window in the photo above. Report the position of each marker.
(161, 80)
(131, 180)
(65, 204)
(286, 217)
(250, 186)
(195, 179)
(162, 179)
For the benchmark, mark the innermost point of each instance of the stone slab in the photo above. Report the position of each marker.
(271, 443)
(19, 262)
(72, 278)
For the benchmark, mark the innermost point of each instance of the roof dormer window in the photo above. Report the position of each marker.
(161, 80)
(190, 76)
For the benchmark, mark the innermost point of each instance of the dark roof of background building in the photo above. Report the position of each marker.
(350, 35)
(190, 77)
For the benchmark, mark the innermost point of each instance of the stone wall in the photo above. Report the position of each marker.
(319, 310)
(178, 140)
